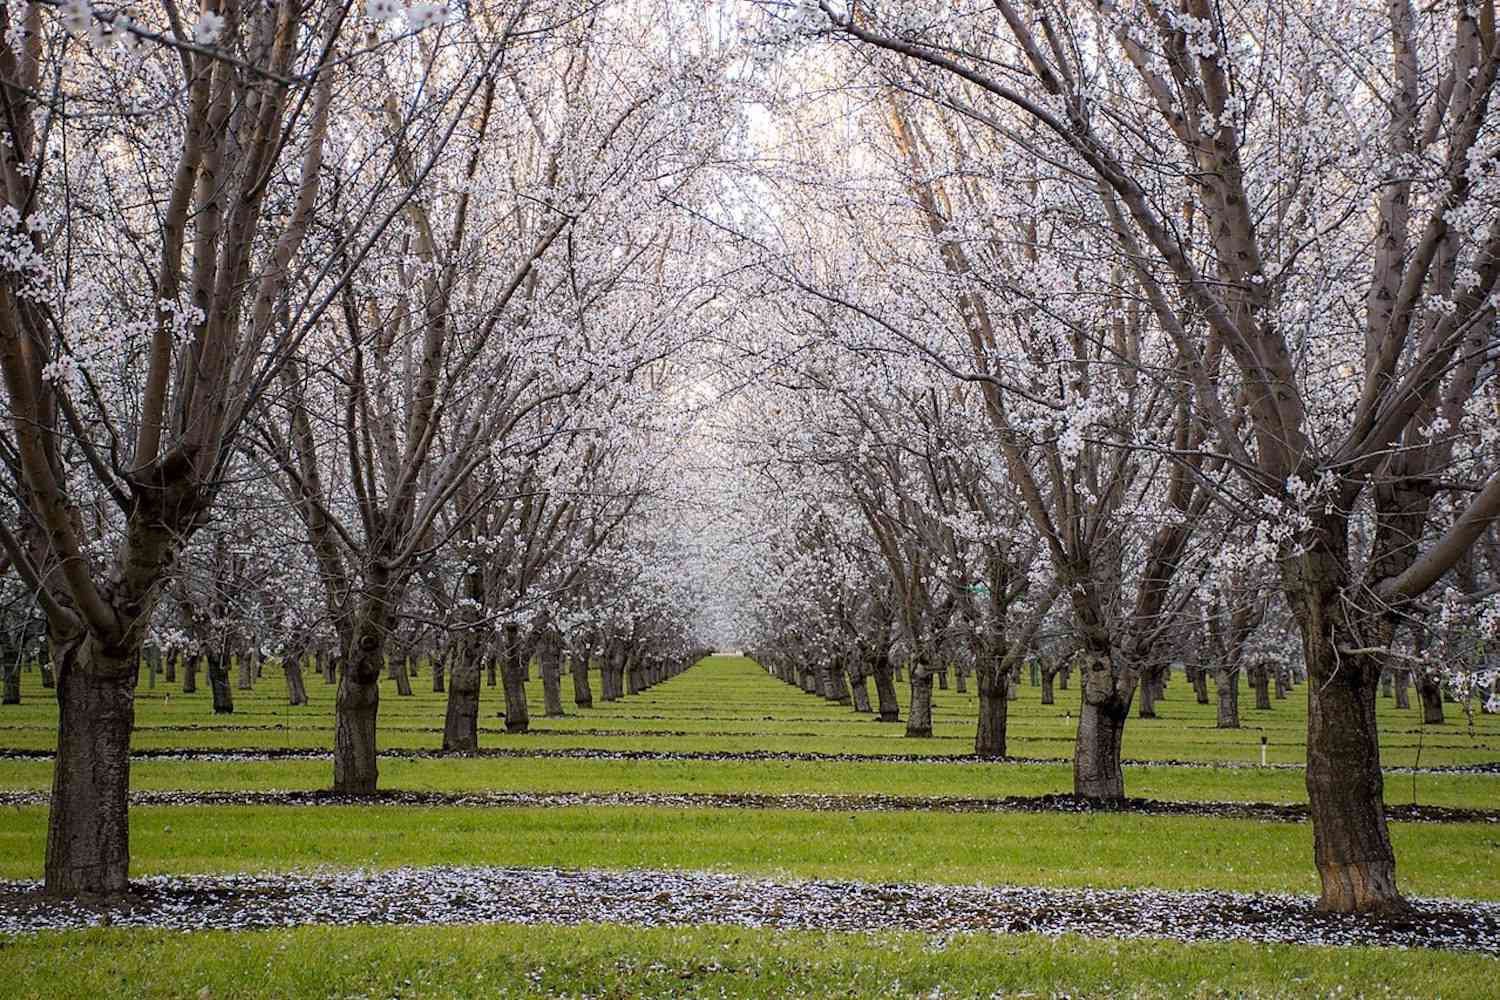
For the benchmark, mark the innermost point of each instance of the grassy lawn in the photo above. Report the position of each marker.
(614, 961)
(531, 774)
(729, 704)
(1102, 850)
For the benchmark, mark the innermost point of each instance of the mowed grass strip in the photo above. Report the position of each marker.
(730, 704)
(1102, 850)
(770, 777)
(617, 961)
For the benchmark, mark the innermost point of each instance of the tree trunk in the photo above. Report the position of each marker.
(1430, 691)
(1260, 678)
(994, 707)
(583, 694)
(1227, 681)
(1147, 707)
(400, 676)
(549, 655)
(1345, 787)
(1385, 683)
(1048, 698)
(885, 689)
(960, 680)
(1062, 677)
(11, 669)
(246, 664)
(860, 691)
(1105, 707)
(88, 831)
(919, 714)
(218, 682)
(838, 685)
(942, 679)
(190, 674)
(169, 665)
(1200, 685)
(438, 662)
(491, 670)
(1278, 677)
(296, 689)
(1403, 697)
(517, 712)
(461, 726)
(356, 709)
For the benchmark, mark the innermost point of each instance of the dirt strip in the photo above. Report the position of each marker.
(1259, 811)
(665, 898)
(582, 753)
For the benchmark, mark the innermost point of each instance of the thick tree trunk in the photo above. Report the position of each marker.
(1048, 697)
(439, 667)
(400, 676)
(218, 682)
(859, 688)
(1200, 685)
(517, 712)
(1385, 683)
(1062, 677)
(1345, 787)
(942, 679)
(1430, 691)
(885, 689)
(356, 709)
(296, 689)
(1403, 696)
(88, 832)
(1227, 681)
(838, 685)
(994, 707)
(11, 669)
(583, 694)
(1278, 678)
(461, 725)
(919, 713)
(1260, 678)
(246, 664)
(549, 657)
(1147, 708)
(1105, 707)
(190, 674)
(1346, 792)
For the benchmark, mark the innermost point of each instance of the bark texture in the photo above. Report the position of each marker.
(1106, 697)
(88, 833)
(919, 715)
(356, 708)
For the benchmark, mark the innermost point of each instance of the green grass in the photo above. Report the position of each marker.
(729, 704)
(970, 780)
(1103, 850)
(621, 962)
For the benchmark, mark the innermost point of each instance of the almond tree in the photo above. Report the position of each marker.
(1324, 411)
(134, 336)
